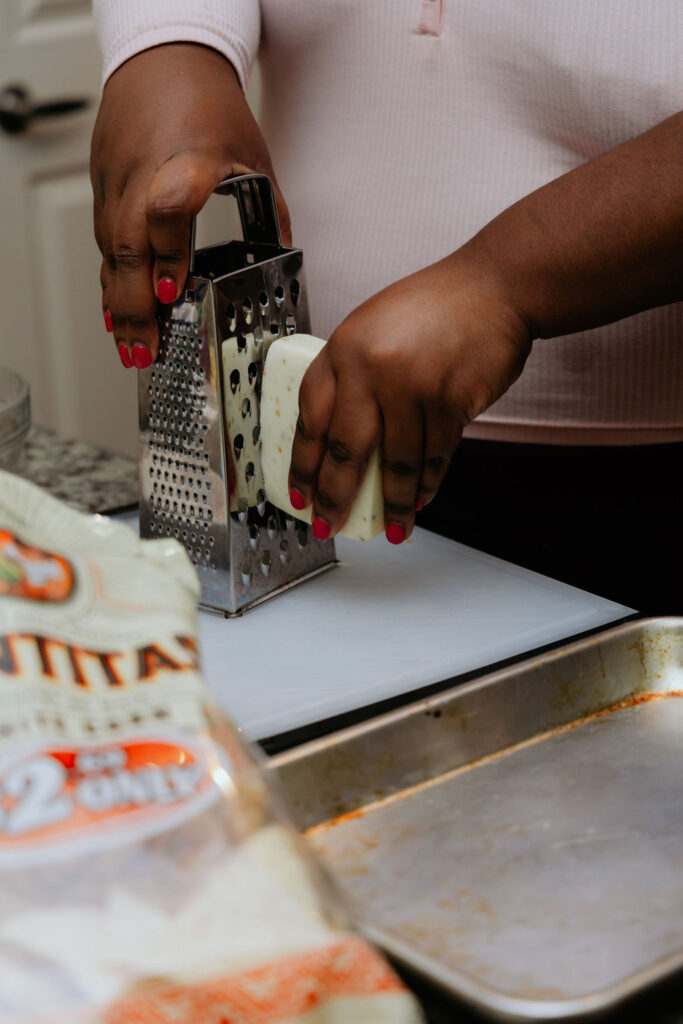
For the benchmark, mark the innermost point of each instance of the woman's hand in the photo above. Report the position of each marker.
(406, 371)
(411, 367)
(172, 124)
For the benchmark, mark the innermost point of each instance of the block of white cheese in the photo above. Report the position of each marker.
(286, 363)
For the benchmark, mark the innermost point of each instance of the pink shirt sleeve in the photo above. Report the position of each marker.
(126, 27)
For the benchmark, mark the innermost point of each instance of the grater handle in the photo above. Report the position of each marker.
(256, 203)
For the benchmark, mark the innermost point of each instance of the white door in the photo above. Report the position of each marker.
(51, 327)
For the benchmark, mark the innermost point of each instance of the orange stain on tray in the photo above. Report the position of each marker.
(359, 812)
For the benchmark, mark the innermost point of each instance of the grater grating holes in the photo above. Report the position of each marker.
(176, 399)
(177, 393)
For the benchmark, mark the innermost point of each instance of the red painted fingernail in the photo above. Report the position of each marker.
(320, 528)
(297, 499)
(420, 505)
(166, 290)
(124, 355)
(141, 356)
(395, 533)
(107, 321)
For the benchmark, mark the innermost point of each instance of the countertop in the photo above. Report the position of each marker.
(84, 476)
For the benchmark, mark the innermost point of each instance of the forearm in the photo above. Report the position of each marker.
(600, 243)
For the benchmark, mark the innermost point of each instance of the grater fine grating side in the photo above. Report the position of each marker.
(199, 414)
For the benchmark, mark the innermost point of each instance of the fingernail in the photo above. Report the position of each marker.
(141, 356)
(297, 499)
(124, 355)
(420, 505)
(395, 533)
(166, 290)
(320, 528)
(107, 321)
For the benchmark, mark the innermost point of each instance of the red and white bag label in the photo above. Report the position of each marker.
(59, 800)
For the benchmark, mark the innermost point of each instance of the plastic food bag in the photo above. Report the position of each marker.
(148, 874)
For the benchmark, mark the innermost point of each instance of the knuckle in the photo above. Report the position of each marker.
(303, 431)
(172, 257)
(138, 323)
(382, 356)
(128, 256)
(402, 467)
(327, 501)
(163, 208)
(436, 463)
(398, 510)
(301, 475)
(342, 453)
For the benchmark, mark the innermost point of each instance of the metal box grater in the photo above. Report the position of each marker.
(200, 467)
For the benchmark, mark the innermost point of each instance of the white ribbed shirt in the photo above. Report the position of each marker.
(398, 128)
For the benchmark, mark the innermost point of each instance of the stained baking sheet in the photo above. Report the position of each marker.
(518, 840)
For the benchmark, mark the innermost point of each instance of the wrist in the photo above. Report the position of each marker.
(186, 58)
(485, 279)
(482, 318)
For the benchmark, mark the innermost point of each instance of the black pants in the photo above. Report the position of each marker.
(608, 520)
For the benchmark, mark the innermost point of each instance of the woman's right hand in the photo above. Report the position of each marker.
(172, 124)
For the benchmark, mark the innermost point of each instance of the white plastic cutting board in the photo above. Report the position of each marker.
(388, 620)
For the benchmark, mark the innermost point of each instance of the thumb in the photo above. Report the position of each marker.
(176, 194)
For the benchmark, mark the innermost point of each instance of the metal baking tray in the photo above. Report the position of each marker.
(517, 840)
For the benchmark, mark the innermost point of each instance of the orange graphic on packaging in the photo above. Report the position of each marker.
(56, 796)
(281, 991)
(31, 573)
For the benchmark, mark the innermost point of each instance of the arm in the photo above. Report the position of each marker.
(172, 123)
(413, 365)
(597, 244)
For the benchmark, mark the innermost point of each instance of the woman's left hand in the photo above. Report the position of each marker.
(406, 371)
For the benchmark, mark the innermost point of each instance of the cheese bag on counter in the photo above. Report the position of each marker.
(286, 363)
(148, 871)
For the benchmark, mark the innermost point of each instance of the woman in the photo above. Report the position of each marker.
(464, 183)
